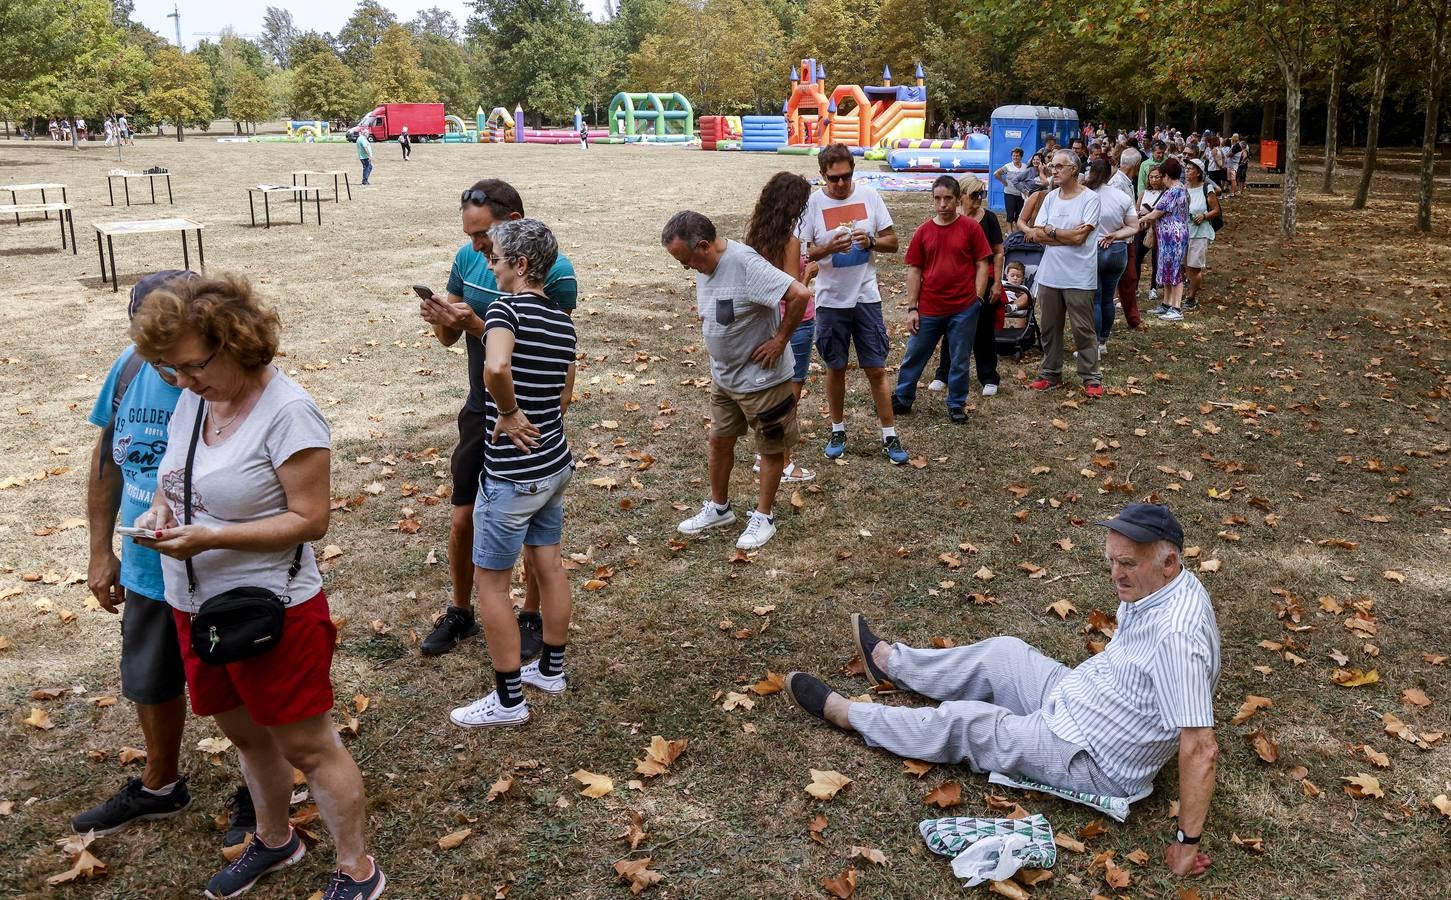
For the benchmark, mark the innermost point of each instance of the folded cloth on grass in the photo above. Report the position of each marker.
(991, 849)
(1116, 808)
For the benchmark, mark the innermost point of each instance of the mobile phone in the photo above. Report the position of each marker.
(131, 531)
(423, 291)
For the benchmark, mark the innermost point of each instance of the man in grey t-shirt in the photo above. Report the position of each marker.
(738, 299)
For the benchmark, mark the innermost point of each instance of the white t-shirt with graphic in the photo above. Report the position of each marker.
(845, 279)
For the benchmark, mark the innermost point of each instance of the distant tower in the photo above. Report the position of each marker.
(920, 76)
(886, 76)
(176, 14)
(820, 73)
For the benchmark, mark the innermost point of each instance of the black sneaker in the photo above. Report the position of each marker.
(957, 414)
(899, 408)
(453, 626)
(1190, 303)
(257, 860)
(132, 804)
(865, 643)
(243, 820)
(343, 887)
(531, 635)
(807, 692)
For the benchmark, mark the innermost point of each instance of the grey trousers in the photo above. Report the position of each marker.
(1054, 305)
(990, 717)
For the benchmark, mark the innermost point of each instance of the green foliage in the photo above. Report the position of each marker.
(435, 21)
(446, 64)
(541, 53)
(362, 32)
(279, 91)
(722, 54)
(279, 34)
(308, 45)
(249, 101)
(324, 88)
(180, 91)
(396, 74)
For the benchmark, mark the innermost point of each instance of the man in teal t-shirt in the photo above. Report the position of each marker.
(471, 288)
(365, 154)
(133, 411)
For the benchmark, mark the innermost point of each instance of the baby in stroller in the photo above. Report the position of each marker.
(1017, 328)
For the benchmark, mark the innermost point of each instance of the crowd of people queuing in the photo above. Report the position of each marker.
(217, 467)
(116, 128)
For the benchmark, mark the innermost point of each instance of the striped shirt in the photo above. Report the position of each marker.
(544, 346)
(1157, 675)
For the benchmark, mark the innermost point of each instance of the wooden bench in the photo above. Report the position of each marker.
(335, 174)
(150, 226)
(127, 177)
(62, 210)
(296, 190)
(17, 188)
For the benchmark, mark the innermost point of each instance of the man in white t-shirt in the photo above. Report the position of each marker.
(1067, 277)
(1007, 175)
(844, 225)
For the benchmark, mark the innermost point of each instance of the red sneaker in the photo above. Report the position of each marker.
(1044, 384)
(1094, 391)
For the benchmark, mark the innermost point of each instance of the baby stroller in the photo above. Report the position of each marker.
(1020, 333)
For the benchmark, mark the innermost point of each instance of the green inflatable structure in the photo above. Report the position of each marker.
(667, 118)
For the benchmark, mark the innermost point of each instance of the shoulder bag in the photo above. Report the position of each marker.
(239, 623)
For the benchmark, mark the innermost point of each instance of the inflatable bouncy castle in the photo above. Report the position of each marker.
(860, 117)
(657, 118)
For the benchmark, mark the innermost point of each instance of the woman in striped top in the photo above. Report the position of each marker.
(529, 352)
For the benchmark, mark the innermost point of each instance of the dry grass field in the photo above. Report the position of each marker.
(1298, 424)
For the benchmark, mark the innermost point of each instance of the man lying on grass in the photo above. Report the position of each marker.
(1106, 727)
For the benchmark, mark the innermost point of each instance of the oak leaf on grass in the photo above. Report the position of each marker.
(637, 873)
(826, 783)
(842, 886)
(595, 786)
(659, 756)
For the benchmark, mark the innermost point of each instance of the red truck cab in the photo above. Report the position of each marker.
(424, 121)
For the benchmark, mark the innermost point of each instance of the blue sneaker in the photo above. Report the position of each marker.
(836, 445)
(256, 860)
(894, 450)
(343, 887)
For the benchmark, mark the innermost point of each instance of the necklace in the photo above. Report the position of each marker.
(218, 429)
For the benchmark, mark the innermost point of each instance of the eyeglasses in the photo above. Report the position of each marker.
(1056, 166)
(495, 260)
(188, 369)
(474, 196)
(834, 179)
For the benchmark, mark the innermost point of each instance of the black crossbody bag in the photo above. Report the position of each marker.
(240, 623)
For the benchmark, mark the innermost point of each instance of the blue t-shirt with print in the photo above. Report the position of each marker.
(137, 445)
(472, 279)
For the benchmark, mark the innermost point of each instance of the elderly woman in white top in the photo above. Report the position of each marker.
(1117, 224)
(1203, 211)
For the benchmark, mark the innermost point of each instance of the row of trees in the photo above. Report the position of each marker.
(1127, 61)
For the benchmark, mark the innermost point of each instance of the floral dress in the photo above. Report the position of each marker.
(1171, 234)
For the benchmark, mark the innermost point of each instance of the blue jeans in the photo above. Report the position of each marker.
(367, 169)
(1111, 265)
(961, 329)
(801, 340)
(510, 514)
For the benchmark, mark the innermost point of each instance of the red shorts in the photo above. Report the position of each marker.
(289, 683)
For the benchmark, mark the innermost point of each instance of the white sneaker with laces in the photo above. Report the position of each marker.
(708, 517)
(759, 530)
(937, 385)
(549, 684)
(989, 390)
(1172, 315)
(1153, 295)
(1102, 349)
(487, 711)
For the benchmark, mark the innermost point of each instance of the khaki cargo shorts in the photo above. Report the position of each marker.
(770, 413)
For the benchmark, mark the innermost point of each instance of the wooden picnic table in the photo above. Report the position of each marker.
(147, 226)
(335, 174)
(126, 178)
(296, 190)
(17, 188)
(62, 210)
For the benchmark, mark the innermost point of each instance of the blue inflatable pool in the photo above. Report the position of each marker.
(921, 160)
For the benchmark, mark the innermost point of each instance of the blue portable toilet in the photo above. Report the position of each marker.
(1025, 127)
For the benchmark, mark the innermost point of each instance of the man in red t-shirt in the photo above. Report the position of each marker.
(948, 263)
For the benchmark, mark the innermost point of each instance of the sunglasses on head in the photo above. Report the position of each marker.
(474, 196)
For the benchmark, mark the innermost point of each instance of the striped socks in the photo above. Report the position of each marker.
(551, 660)
(510, 688)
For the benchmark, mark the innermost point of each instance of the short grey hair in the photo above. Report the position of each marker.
(689, 226)
(529, 240)
(1129, 158)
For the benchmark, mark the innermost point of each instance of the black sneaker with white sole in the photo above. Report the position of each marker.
(133, 803)
(531, 635)
(256, 860)
(343, 887)
(453, 626)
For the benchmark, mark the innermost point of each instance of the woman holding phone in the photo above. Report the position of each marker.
(243, 490)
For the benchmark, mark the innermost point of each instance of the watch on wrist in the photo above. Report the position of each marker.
(1186, 839)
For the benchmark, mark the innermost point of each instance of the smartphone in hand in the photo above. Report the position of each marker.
(423, 291)
(144, 534)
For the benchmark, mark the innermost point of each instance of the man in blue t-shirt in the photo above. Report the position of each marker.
(471, 288)
(133, 411)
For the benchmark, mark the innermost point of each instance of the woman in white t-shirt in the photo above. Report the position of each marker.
(1117, 223)
(1007, 175)
(1203, 210)
(258, 494)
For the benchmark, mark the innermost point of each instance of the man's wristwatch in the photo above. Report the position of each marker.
(1186, 839)
(871, 242)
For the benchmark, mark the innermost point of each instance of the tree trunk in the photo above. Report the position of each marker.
(1195, 118)
(1433, 117)
(178, 133)
(1144, 115)
(1226, 126)
(1267, 121)
(1332, 119)
(1372, 125)
(1291, 151)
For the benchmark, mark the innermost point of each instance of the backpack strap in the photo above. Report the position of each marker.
(123, 384)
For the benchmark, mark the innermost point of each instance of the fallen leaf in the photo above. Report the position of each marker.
(735, 700)
(1008, 889)
(1393, 575)
(1361, 785)
(331, 551)
(815, 827)
(1376, 757)
(638, 873)
(1068, 843)
(826, 783)
(454, 838)
(916, 767)
(659, 756)
(129, 755)
(1209, 565)
(946, 794)
(594, 785)
(1265, 748)
(1138, 858)
(1251, 705)
(870, 854)
(40, 719)
(1354, 677)
(500, 788)
(1415, 696)
(773, 683)
(1115, 876)
(1249, 844)
(1093, 829)
(636, 832)
(1062, 608)
(85, 867)
(1442, 804)
(842, 886)
(984, 574)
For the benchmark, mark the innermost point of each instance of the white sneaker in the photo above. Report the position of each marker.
(757, 466)
(937, 385)
(1102, 349)
(549, 684)
(1172, 315)
(708, 517)
(989, 390)
(487, 711)
(1153, 295)
(759, 530)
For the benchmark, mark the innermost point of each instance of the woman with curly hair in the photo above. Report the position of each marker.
(771, 232)
(242, 492)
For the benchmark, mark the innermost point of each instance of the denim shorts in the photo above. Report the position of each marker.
(801, 349)
(511, 514)
(838, 330)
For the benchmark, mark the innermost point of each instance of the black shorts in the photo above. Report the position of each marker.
(467, 462)
(1014, 206)
(837, 330)
(151, 667)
